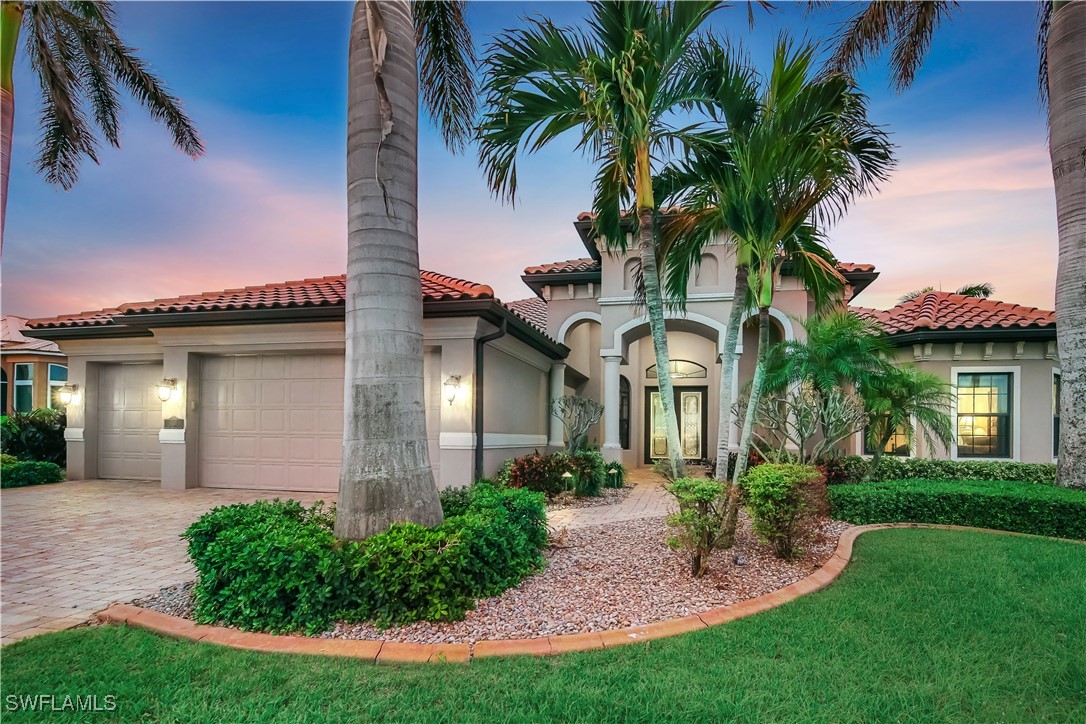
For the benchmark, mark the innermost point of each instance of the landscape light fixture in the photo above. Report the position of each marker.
(452, 387)
(166, 388)
(67, 393)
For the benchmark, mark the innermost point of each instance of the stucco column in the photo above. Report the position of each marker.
(179, 436)
(558, 389)
(612, 445)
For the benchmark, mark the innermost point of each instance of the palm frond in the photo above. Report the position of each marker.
(981, 290)
(446, 56)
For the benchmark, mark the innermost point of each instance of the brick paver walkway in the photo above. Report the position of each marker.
(648, 499)
(69, 550)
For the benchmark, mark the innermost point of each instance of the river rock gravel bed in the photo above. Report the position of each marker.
(607, 496)
(602, 577)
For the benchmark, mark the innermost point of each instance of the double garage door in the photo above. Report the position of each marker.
(265, 422)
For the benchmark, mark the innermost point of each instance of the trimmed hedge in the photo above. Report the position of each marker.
(851, 469)
(22, 474)
(1019, 507)
(276, 566)
(778, 497)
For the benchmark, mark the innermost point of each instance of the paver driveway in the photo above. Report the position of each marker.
(69, 550)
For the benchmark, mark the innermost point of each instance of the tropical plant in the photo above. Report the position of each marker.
(619, 84)
(780, 498)
(907, 28)
(396, 49)
(704, 522)
(981, 290)
(796, 150)
(577, 414)
(902, 399)
(81, 63)
(805, 423)
(37, 435)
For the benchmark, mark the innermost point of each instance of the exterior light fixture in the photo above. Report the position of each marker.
(452, 387)
(166, 388)
(67, 393)
(567, 478)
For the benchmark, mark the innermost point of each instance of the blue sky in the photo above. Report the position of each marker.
(970, 201)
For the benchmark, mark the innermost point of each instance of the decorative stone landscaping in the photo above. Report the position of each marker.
(607, 496)
(598, 578)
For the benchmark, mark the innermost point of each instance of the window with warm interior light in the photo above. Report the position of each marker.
(984, 415)
(58, 377)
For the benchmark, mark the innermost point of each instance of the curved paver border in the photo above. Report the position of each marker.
(388, 652)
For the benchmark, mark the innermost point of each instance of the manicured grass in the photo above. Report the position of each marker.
(924, 625)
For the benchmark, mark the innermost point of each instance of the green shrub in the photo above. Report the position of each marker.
(589, 472)
(706, 519)
(6, 459)
(902, 468)
(276, 566)
(1019, 507)
(455, 501)
(36, 435)
(778, 497)
(21, 474)
(541, 473)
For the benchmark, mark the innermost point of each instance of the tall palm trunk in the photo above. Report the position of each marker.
(755, 394)
(654, 303)
(11, 20)
(1067, 145)
(385, 475)
(727, 370)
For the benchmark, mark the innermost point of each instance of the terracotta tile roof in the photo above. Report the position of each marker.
(948, 311)
(532, 310)
(318, 292)
(12, 339)
(584, 264)
(845, 267)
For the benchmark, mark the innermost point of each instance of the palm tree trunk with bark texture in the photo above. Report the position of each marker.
(755, 394)
(727, 372)
(11, 20)
(654, 303)
(1067, 145)
(385, 476)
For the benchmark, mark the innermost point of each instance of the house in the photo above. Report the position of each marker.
(31, 370)
(243, 388)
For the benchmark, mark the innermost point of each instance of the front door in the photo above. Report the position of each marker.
(693, 423)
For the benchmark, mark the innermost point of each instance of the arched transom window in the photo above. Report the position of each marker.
(681, 369)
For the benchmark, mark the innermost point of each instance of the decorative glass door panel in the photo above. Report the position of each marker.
(690, 405)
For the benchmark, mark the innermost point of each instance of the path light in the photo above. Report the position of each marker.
(567, 476)
(166, 388)
(67, 393)
(452, 388)
(612, 473)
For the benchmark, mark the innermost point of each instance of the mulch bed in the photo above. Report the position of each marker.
(597, 578)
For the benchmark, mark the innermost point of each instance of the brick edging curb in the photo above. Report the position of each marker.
(389, 652)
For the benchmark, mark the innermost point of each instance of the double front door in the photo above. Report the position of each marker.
(693, 423)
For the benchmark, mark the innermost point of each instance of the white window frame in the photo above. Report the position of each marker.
(1052, 423)
(17, 383)
(50, 383)
(1015, 372)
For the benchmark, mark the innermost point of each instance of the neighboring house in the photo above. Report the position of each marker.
(253, 377)
(31, 370)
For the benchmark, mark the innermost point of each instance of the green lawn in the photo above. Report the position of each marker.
(923, 625)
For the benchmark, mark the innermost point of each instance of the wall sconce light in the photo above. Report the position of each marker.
(67, 393)
(452, 388)
(166, 388)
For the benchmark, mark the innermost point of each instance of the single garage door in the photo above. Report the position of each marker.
(271, 422)
(129, 418)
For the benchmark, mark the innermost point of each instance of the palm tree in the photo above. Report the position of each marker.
(901, 398)
(81, 63)
(385, 474)
(907, 27)
(980, 290)
(619, 84)
(795, 152)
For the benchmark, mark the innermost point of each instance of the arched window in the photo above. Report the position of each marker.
(707, 274)
(624, 412)
(629, 274)
(681, 369)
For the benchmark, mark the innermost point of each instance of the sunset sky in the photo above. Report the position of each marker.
(971, 200)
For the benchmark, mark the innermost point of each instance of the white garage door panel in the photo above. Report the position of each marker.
(271, 422)
(129, 418)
